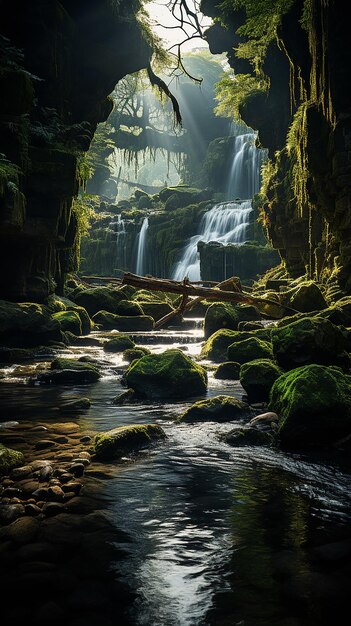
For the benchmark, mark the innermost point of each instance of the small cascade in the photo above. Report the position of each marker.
(141, 250)
(226, 222)
(244, 177)
(121, 250)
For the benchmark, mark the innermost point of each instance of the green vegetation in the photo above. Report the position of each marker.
(257, 378)
(249, 349)
(217, 409)
(119, 343)
(126, 439)
(9, 459)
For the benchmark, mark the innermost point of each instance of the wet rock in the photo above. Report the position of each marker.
(166, 375)
(265, 418)
(125, 439)
(32, 510)
(10, 512)
(9, 459)
(249, 349)
(77, 469)
(38, 429)
(39, 464)
(69, 321)
(27, 324)
(23, 530)
(109, 321)
(45, 473)
(43, 444)
(229, 370)
(215, 348)
(65, 477)
(53, 508)
(9, 424)
(85, 439)
(248, 437)
(76, 406)
(11, 492)
(73, 487)
(131, 354)
(119, 344)
(55, 493)
(225, 315)
(21, 472)
(61, 439)
(126, 397)
(314, 405)
(257, 377)
(94, 299)
(217, 409)
(66, 428)
(84, 455)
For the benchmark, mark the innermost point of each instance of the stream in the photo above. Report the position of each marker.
(192, 532)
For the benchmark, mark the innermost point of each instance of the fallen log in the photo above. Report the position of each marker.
(265, 306)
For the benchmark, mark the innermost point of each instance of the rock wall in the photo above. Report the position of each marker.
(305, 122)
(58, 63)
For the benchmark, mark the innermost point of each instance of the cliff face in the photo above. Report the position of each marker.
(305, 122)
(58, 63)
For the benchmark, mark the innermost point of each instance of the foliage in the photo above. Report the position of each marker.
(9, 173)
(232, 91)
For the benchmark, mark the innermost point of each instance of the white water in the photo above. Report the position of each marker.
(120, 229)
(227, 222)
(140, 264)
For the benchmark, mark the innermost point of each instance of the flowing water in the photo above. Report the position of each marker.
(199, 533)
(121, 250)
(226, 222)
(141, 248)
(244, 177)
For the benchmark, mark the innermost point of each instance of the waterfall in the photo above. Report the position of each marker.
(140, 263)
(225, 223)
(244, 177)
(120, 229)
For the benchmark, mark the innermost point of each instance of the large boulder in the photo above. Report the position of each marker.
(307, 341)
(216, 346)
(59, 304)
(95, 299)
(70, 372)
(305, 297)
(125, 439)
(156, 310)
(27, 324)
(257, 377)
(166, 375)
(226, 315)
(314, 406)
(9, 459)
(129, 308)
(110, 321)
(69, 321)
(217, 409)
(229, 370)
(130, 354)
(249, 350)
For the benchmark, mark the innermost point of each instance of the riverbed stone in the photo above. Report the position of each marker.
(229, 370)
(69, 321)
(125, 439)
(27, 324)
(225, 315)
(9, 459)
(137, 352)
(257, 378)
(248, 436)
(23, 530)
(156, 310)
(307, 341)
(111, 321)
(166, 375)
(217, 409)
(120, 343)
(314, 406)
(129, 308)
(216, 346)
(75, 406)
(249, 349)
(126, 397)
(93, 299)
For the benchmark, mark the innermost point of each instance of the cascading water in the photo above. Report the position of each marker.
(227, 222)
(120, 229)
(140, 263)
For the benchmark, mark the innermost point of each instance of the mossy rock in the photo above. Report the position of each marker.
(217, 409)
(257, 377)
(57, 304)
(129, 308)
(71, 364)
(248, 326)
(27, 324)
(9, 459)
(15, 355)
(307, 341)
(216, 346)
(131, 354)
(95, 299)
(110, 321)
(305, 297)
(77, 405)
(225, 315)
(229, 370)
(156, 310)
(249, 350)
(118, 442)
(119, 344)
(248, 436)
(314, 406)
(339, 313)
(69, 321)
(170, 374)
(70, 371)
(144, 295)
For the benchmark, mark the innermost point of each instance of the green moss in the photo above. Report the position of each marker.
(109, 321)
(156, 310)
(170, 374)
(230, 370)
(225, 315)
(128, 308)
(27, 324)
(125, 439)
(9, 459)
(217, 409)
(119, 344)
(131, 354)
(96, 299)
(249, 350)
(307, 341)
(257, 377)
(216, 346)
(73, 364)
(314, 405)
(69, 321)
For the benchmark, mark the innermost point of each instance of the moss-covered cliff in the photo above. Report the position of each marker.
(59, 61)
(295, 72)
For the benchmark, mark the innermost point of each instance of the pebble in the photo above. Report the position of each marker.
(41, 493)
(21, 472)
(10, 512)
(28, 487)
(32, 510)
(11, 492)
(9, 424)
(23, 530)
(44, 443)
(265, 417)
(39, 464)
(61, 439)
(65, 428)
(65, 477)
(75, 487)
(53, 508)
(86, 439)
(45, 473)
(84, 461)
(55, 493)
(77, 469)
(84, 455)
(39, 429)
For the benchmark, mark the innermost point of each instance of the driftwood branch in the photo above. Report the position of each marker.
(207, 293)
